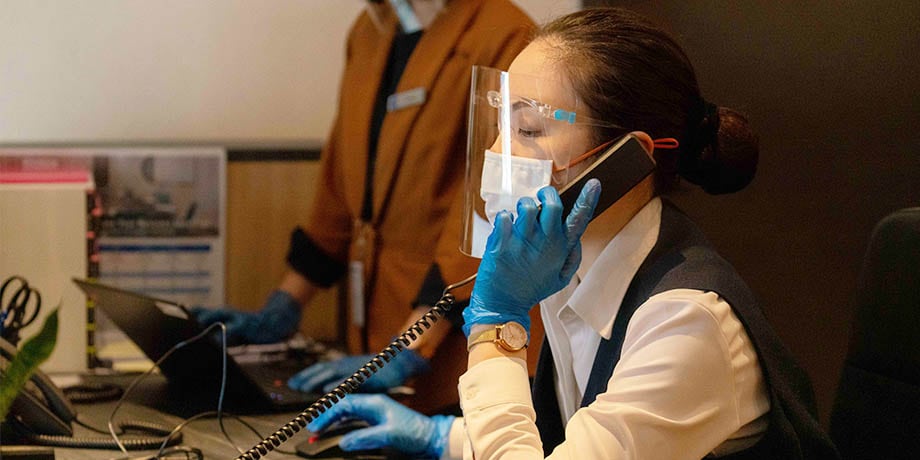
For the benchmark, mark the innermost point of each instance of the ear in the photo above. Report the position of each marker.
(647, 143)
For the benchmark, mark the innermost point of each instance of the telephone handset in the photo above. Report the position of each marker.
(619, 168)
(42, 415)
(351, 384)
(41, 405)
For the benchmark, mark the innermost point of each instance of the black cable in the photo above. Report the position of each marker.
(226, 435)
(90, 442)
(166, 355)
(97, 392)
(89, 393)
(132, 425)
(170, 437)
(219, 413)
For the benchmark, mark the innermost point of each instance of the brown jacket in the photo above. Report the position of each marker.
(421, 157)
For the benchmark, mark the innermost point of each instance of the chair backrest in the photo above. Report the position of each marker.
(877, 410)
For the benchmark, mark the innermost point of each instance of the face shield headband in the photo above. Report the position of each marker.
(524, 133)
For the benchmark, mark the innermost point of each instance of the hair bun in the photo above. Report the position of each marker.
(720, 152)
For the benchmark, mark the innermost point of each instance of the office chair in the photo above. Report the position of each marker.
(877, 409)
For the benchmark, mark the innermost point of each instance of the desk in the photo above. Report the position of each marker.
(150, 401)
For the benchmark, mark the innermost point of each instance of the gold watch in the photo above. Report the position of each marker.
(511, 336)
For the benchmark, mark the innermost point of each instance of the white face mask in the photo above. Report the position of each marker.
(528, 175)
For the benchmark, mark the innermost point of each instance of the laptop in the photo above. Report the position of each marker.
(156, 325)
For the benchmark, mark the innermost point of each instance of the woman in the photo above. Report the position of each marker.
(655, 348)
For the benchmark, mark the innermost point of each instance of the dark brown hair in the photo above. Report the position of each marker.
(632, 74)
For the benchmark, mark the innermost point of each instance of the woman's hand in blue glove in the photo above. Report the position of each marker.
(278, 319)
(327, 375)
(392, 425)
(529, 259)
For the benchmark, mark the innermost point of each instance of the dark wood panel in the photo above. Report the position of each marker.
(265, 201)
(832, 89)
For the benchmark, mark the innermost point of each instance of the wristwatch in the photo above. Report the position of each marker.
(511, 336)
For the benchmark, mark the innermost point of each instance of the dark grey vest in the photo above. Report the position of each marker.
(682, 258)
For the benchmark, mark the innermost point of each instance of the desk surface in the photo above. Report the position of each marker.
(152, 402)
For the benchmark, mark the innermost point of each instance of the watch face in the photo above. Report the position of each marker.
(514, 336)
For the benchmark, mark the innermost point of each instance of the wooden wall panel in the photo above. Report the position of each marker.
(265, 201)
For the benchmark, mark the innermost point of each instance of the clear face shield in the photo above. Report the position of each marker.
(524, 133)
(412, 15)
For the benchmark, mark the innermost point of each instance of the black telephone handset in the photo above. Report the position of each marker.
(40, 406)
(619, 168)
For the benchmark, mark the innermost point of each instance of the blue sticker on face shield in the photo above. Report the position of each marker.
(564, 115)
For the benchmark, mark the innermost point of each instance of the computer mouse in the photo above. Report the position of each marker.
(325, 445)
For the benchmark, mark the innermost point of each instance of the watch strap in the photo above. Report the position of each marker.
(498, 334)
(489, 334)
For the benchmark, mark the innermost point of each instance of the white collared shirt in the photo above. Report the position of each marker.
(688, 382)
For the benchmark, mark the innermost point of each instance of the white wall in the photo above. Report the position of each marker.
(224, 71)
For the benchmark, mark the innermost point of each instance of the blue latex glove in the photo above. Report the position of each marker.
(278, 319)
(392, 425)
(327, 375)
(528, 260)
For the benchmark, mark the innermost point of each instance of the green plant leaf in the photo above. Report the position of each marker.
(34, 352)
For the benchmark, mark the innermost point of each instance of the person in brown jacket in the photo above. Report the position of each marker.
(386, 215)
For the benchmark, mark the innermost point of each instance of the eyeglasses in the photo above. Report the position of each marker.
(545, 110)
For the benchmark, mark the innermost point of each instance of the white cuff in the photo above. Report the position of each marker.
(455, 438)
(478, 387)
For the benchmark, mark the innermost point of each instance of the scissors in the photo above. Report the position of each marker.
(16, 310)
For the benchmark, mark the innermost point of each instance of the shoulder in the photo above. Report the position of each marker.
(684, 258)
(500, 18)
(362, 30)
(698, 325)
(707, 308)
(503, 11)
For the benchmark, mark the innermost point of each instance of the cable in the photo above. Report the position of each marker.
(95, 443)
(88, 393)
(149, 427)
(169, 353)
(351, 384)
(171, 436)
(238, 418)
(176, 431)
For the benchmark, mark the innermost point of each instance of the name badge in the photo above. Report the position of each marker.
(356, 292)
(408, 98)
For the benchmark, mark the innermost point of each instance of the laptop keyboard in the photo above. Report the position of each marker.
(272, 379)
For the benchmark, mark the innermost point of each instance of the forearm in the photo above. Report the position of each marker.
(299, 287)
(497, 409)
(488, 350)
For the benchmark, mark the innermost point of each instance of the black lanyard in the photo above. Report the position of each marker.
(400, 51)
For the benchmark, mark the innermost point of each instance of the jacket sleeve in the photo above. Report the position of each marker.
(319, 251)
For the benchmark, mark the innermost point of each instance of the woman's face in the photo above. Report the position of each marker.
(534, 135)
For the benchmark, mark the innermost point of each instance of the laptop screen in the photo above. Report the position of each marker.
(157, 325)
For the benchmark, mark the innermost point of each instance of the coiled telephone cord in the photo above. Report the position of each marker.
(351, 384)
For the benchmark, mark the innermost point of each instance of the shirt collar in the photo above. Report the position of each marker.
(597, 298)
